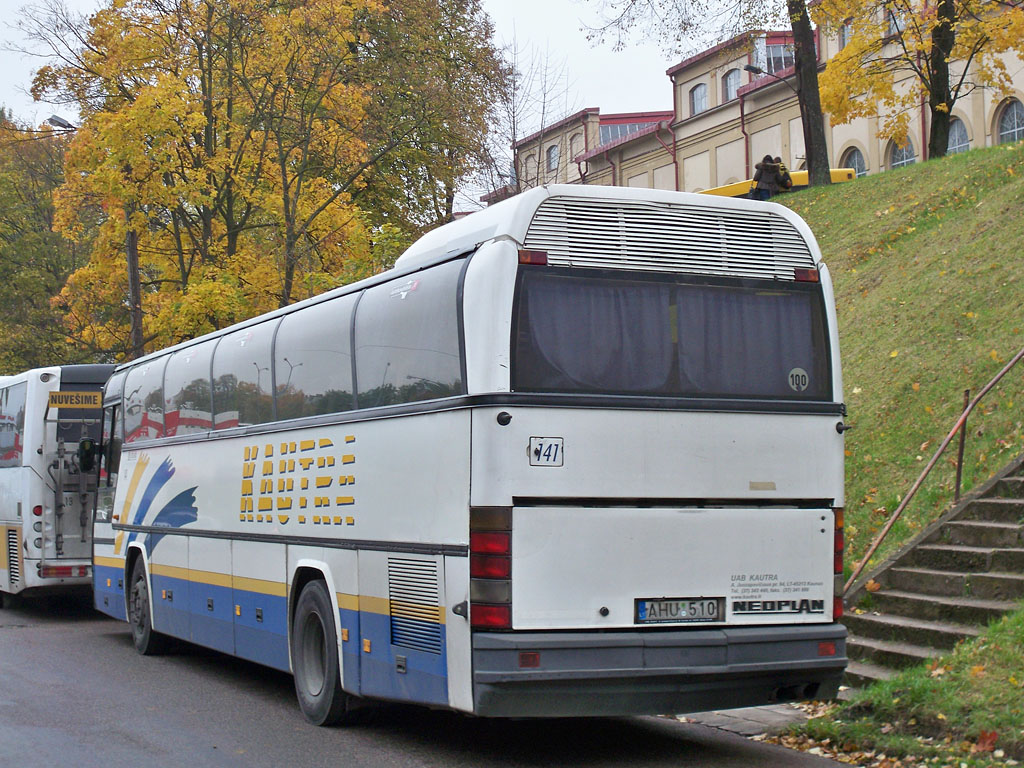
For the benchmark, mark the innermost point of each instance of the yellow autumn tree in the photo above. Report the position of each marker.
(900, 53)
(224, 144)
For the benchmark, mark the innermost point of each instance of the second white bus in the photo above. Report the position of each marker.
(580, 453)
(49, 433)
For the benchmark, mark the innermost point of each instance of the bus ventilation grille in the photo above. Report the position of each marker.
(414, 604)
(13, 561)
(667, 237)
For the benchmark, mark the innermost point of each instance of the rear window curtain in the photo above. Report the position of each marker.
(407, 338)
(603, 335)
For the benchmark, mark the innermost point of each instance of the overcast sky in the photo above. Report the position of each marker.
(626, 81)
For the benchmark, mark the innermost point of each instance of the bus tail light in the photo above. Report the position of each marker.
(837, 565)
(490, 568)
(537, 258)
(806, 275)
(63, 571)
(37, 510)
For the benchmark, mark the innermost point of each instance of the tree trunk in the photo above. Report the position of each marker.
(940, 99)
(811, 116)
(134, 294)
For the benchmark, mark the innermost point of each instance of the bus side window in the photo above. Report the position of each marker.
(242, 391)
(110, 459)
(12, 425)
(144, 401)
(407, 338)
(187, 405)
(313, 360)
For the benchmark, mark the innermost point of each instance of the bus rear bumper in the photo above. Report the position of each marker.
(665, 672)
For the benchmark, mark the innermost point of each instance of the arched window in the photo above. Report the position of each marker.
(575, 146)
(552, 158)
(698, 99)
(1011, 122)
(730, 85)
(530, 170)
(845, 33)
(854, 158)
(902, 154)
(958, 141)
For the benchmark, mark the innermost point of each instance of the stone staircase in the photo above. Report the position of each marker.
(961, 573)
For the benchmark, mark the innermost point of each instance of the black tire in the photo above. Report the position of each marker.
(147, 640)
(314, 645)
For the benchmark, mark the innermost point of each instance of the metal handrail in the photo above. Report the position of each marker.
(928, 468)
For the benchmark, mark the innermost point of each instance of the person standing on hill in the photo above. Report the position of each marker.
(767, 179)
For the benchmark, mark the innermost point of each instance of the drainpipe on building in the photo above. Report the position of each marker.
(615, 170)
(746, 139)
(581, 172)
(663, 124)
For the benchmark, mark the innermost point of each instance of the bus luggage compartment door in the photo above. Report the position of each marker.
(617, 567)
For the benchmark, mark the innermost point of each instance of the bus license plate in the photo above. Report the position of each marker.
(679, 609)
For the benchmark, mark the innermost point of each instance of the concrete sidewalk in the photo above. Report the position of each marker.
(751, 721)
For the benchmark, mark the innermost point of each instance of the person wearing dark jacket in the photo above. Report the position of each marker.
(768, 179)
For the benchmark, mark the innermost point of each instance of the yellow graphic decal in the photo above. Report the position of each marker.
(133, 486)
(278, 489)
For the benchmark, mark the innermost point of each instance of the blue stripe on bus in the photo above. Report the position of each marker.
(181, 609)
(108, 600)
(426, 677)
(350, 650)
(266, 641)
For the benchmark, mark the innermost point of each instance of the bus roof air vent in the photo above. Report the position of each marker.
(667, 237)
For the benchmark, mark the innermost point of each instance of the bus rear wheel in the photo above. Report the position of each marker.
(147, 640)
(315, 658)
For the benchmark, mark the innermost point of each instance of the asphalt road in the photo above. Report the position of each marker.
(74, 692)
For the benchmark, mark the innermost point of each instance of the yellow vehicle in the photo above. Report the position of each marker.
(742, 188)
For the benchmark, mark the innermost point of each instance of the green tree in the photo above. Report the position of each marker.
(35, 262)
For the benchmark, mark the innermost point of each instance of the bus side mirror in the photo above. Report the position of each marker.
(87, 455)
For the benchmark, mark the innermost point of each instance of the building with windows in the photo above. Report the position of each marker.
(731, 105)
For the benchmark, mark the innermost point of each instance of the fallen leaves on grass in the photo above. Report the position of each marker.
(986, 741)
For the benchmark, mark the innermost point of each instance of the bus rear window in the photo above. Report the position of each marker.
(669, 336)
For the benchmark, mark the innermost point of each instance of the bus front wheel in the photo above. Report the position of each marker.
(147, 640)
(315, 658)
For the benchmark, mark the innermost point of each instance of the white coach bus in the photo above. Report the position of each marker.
(49, 433)
(580, 453)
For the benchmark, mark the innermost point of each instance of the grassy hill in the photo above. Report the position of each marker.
(927, 263)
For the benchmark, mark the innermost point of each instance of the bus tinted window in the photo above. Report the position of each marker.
(407, 338)
(187, 391)
(12, 425)
(241, 378)
(662, 336)
(313, 360)
(144, 401)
